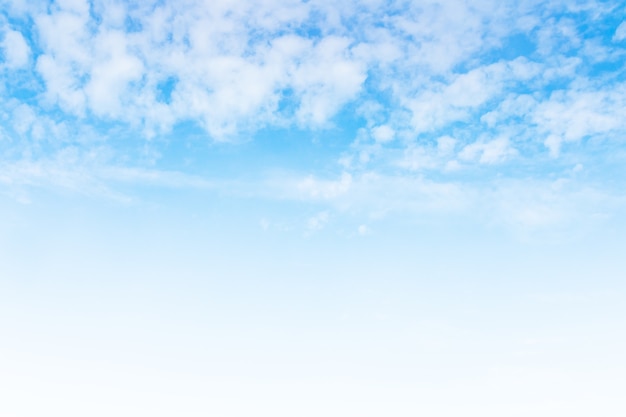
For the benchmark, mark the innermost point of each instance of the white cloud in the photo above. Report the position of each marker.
(383, 133)
(512, 106)
(66, 59)
(620, 32)
(324, 92)
(109, 79)
(495, 151)
(436, 88)
(234, 67)
(558, 36)
(569, 116)
(16, 50)
(457, 100)
(61, 85)
(451, 31)
(232, 64)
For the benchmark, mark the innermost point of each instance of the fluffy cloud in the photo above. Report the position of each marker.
(232, 67)
(572, 115)
(398, 92)
(226, 66)
(383, 133)
(16, 50)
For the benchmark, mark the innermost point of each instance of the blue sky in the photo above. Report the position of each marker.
(283, 207)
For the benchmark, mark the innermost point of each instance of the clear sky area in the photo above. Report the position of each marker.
(283, 208)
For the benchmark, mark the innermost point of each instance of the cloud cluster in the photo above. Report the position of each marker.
(232, 67)
(227, 66)
(429, 89)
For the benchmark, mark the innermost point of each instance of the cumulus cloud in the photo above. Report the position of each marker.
(465, 94)
(383, 133)
(16, 50)
(229, 66)
(323, 90)
(398, 92)
(238, 67)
